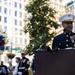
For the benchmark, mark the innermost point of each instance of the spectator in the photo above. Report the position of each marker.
(15, 72)
(3, 69)
(23, 65)
(33, 65)
(10, 67)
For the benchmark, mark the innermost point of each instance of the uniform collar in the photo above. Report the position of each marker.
(67, 33)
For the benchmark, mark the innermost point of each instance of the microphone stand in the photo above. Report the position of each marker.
(48, 48)
(40, 48)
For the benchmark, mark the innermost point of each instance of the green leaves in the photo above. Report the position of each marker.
(40, 24)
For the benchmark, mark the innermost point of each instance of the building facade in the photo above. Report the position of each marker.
(12, 15)
(59, 7)
(70, 7)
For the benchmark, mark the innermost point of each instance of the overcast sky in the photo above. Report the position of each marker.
(66, 1)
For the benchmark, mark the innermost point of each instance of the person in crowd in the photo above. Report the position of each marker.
(10, 67)
(23, 65)
(3, 69)
(67, 38)
(15, 72)
(33, 65)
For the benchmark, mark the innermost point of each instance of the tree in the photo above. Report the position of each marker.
(40, 24)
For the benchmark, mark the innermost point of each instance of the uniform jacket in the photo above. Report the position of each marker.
(3, 70)
(23, 66)
(64, 40)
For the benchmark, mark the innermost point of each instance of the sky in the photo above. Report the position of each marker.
(66, 1)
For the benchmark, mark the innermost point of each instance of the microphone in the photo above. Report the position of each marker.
(40, 48)
(48, 48)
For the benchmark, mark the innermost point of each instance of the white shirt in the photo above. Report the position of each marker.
(16, 69)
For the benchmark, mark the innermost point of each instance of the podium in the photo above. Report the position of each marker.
(60, 62)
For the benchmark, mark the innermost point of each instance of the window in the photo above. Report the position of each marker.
(0, 18)
(25, 41)
(20, 23)
(16, 40)
(20, 32)
(5, 10)
(5, 28)
(16, 30)
(20, 40)
(25, 16)
(9, 11)
(9, 3)
(20, 6)
(5, 19)
(0, 8)
(5, 2)
(20, 14)
(15, 4)
(15, 13)
(15, 22)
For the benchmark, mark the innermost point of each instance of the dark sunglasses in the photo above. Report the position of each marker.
(68, 22)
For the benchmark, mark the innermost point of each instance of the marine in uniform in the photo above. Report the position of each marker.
(3, 69)
(67, 38)
(23, 65)
(33, 65)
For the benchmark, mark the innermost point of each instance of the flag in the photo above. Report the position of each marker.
(2, 42)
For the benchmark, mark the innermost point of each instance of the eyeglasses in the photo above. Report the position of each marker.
(68, 22)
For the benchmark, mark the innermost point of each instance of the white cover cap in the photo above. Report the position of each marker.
(67, 17)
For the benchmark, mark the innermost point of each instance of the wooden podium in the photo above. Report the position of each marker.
(55, 62)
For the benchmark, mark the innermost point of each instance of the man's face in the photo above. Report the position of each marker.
(67, 25)
(22, 55)
(10, 62)
(17, 60)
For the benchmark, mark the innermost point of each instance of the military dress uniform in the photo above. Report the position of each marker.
(67, 38)
(63, 41)
(23, 66)
(3, 70)
(33, 66)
